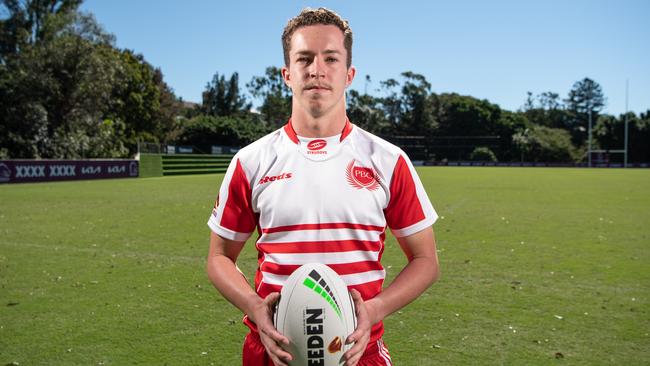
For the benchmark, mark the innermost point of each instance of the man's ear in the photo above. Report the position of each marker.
(351, 72)
(286, 76)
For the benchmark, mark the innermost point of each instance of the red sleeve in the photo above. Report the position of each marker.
(404, 208)
(233, 218)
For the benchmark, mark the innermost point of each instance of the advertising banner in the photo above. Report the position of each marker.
(27, 171)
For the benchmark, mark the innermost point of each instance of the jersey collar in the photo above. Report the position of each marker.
(288, 129)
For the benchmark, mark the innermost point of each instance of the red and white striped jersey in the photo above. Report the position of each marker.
(326, 200)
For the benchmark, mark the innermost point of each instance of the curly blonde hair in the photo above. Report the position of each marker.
(322, 16)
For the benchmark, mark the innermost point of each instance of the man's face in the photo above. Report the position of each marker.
(317, 72)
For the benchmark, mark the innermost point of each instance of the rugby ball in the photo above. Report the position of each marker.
(316, 313)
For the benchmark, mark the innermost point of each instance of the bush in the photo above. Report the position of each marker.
(545, 144)
(237, 131)
(482, 154)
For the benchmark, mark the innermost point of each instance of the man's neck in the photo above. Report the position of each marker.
(306, 125)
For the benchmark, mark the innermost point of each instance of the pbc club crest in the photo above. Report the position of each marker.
(361, 177)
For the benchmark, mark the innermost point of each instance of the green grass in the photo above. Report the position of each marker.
(535, 262)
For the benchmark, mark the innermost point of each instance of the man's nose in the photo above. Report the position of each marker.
(317, 69)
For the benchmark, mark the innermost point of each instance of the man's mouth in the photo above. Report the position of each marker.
(317, 87)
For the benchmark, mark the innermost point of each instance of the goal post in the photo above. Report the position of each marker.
(612, 158)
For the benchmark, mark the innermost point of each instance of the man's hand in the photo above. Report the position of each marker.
(262, 314)
(360, 337)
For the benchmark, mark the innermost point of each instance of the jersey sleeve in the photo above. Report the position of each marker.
(409, 209)
(233, 217)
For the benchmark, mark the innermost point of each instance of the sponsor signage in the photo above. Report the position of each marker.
(26, 171)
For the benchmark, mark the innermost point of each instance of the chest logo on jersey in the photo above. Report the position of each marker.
(316, 147)
(273, 178)
(361, 177)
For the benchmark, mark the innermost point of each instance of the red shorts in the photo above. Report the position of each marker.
(255, 355)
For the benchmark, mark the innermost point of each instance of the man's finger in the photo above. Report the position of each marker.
(267, 327)
(277, 362)
(277, 336)
(353, 360)
(354, 336)
(274, 349)
(356, 295)
(358, 348)
(272, 298)
(279, 353)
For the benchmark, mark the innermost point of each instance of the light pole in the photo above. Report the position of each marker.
(626, 95)
(589, 146)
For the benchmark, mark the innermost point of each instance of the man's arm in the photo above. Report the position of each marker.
(420, 272)
(231, 283)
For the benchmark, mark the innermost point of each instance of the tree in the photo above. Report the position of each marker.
(275, 96)
(549, 101)
(459, 115)
(222, 98)
(365, 111)
(32, 21)
(170, 109)
(66, 92)
(508, 125)
(544, 144)
(416, 117)
(585, 98)
(55, 90)
(143, 101)
(391, 103)
(546, 109)
(522, 142)
(609, 133)
(639, 148)
(407, 109)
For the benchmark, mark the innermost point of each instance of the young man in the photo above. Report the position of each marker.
(321, 190)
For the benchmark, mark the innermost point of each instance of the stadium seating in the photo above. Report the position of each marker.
(180, 164)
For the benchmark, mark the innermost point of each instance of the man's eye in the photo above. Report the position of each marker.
(302, 59)
(331, 59)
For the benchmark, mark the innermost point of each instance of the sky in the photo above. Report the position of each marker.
(496, 50)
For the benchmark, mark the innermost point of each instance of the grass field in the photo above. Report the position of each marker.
(539, 267)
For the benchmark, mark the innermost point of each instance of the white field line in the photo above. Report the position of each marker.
(454, 206)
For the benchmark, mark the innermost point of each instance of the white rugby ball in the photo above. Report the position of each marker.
(317, 314)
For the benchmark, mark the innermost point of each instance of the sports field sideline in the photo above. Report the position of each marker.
(540, 266)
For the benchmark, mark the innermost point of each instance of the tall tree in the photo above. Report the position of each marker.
(32, 21)
(143, 101)
(275, 96)
(223, 98)
(585, 97)
(417, 116)
(546, 109)
(391, 102)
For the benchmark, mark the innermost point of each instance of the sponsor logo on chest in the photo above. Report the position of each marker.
(273, 178)
(361, 177)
